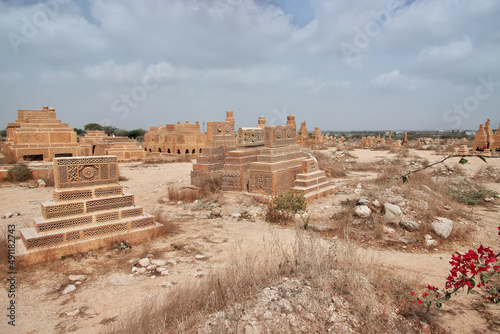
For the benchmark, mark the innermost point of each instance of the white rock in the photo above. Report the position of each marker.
(430, 242)
(363, 201)
(151, 267)
(399, 200)
(388, 230)
(68, 289)
(9, 215)
(172, 262)
(159, 263)
(442, 227)
(165, 284)
(41, 183)
(393, 213)
(359, 186)
(160, 269)
(200, 257)
(144, 262)
(164, 273)
(376, 203)
(362, 211)
(236, 215)
(72, 313)
(180, 203)
(141, 270)
(77, 277)
(198, 274)
(409, 225)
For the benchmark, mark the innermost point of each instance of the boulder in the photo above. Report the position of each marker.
(362, 211)
(393, 213)
(442, 227)
(409, 225)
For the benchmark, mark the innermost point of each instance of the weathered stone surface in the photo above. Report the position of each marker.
(376, 203)
(363, 201)
(398, 200)
(68, 289)
(393, 213)
(409, 225)
(41, 183)
(77, 277)
(362, 211)
(159, 263)
(144, 262)
(442, 227)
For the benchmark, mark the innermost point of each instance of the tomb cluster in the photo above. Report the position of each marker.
(262, 159)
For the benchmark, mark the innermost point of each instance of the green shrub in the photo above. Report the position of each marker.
(284, 206)
(468, 192)
(20, 173)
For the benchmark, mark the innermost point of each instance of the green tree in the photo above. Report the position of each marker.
(93, 127)
(136, 133)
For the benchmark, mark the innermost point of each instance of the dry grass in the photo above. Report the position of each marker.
(166, 159)
(332, 168)
(210, 190)
(332, 269)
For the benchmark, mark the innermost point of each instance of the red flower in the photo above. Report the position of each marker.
(424, 294)
(413, 293)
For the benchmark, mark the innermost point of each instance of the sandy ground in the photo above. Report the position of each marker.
(111, 290)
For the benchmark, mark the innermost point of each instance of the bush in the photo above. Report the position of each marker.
(468, 192)
(19, 173)
(284, 205)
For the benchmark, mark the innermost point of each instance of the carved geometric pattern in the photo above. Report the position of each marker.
(72, 195)
(110, 203)
(25, 137)
(61, 137)
(106, 217)
(132, 213)
(62, 224)
(72, 236)
(108, 192)
(106, 229)
(39, 137)
(89, 173)
(142, 222)
(45, 241)
(73, 174)
(62, 210)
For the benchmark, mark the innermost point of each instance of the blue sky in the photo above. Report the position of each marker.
(339, 65)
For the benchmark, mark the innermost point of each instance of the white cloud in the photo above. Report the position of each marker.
(395, 79)
(454, 51)
(110, 71)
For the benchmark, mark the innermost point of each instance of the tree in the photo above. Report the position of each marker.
(136, 133)
(93, 127)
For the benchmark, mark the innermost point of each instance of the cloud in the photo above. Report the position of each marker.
(111, 71)
(396, 80)
(455, 51)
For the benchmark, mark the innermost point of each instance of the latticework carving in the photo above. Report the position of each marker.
(72, 195)
(102, 230)
(107, 217)
(148, 221)
(52, 240)
(111, 191)
(62, 224)
(110, 203)
(62, 210)
(131, 213)
(72, 236)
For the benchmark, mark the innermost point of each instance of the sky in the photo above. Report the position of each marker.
(339, 65)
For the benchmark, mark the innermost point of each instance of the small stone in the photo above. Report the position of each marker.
(362, 211)
(160, 269)
(236, 215)
(40, 183)
(141, 270)
(159, 263)
(9, 215)
(72, 313)
(200, 257)
(388, 230)
(409, 225)
(144, 262)
(393, 213)
(398, 200)
(77, 277)
(78, 282)
(153, 276)
(267, 315)
(430, 242)
(488, 199)
(198, 274)
(359, 186)
(164, 273)
(68, 289)
(442, 227)
(363, 201)
(134, 269)
(151, 267)
(180, 203)
(165, 284)
(376, 203)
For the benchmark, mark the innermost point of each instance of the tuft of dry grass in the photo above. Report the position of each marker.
(332, 268)
(188, 194)
(332, 168)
